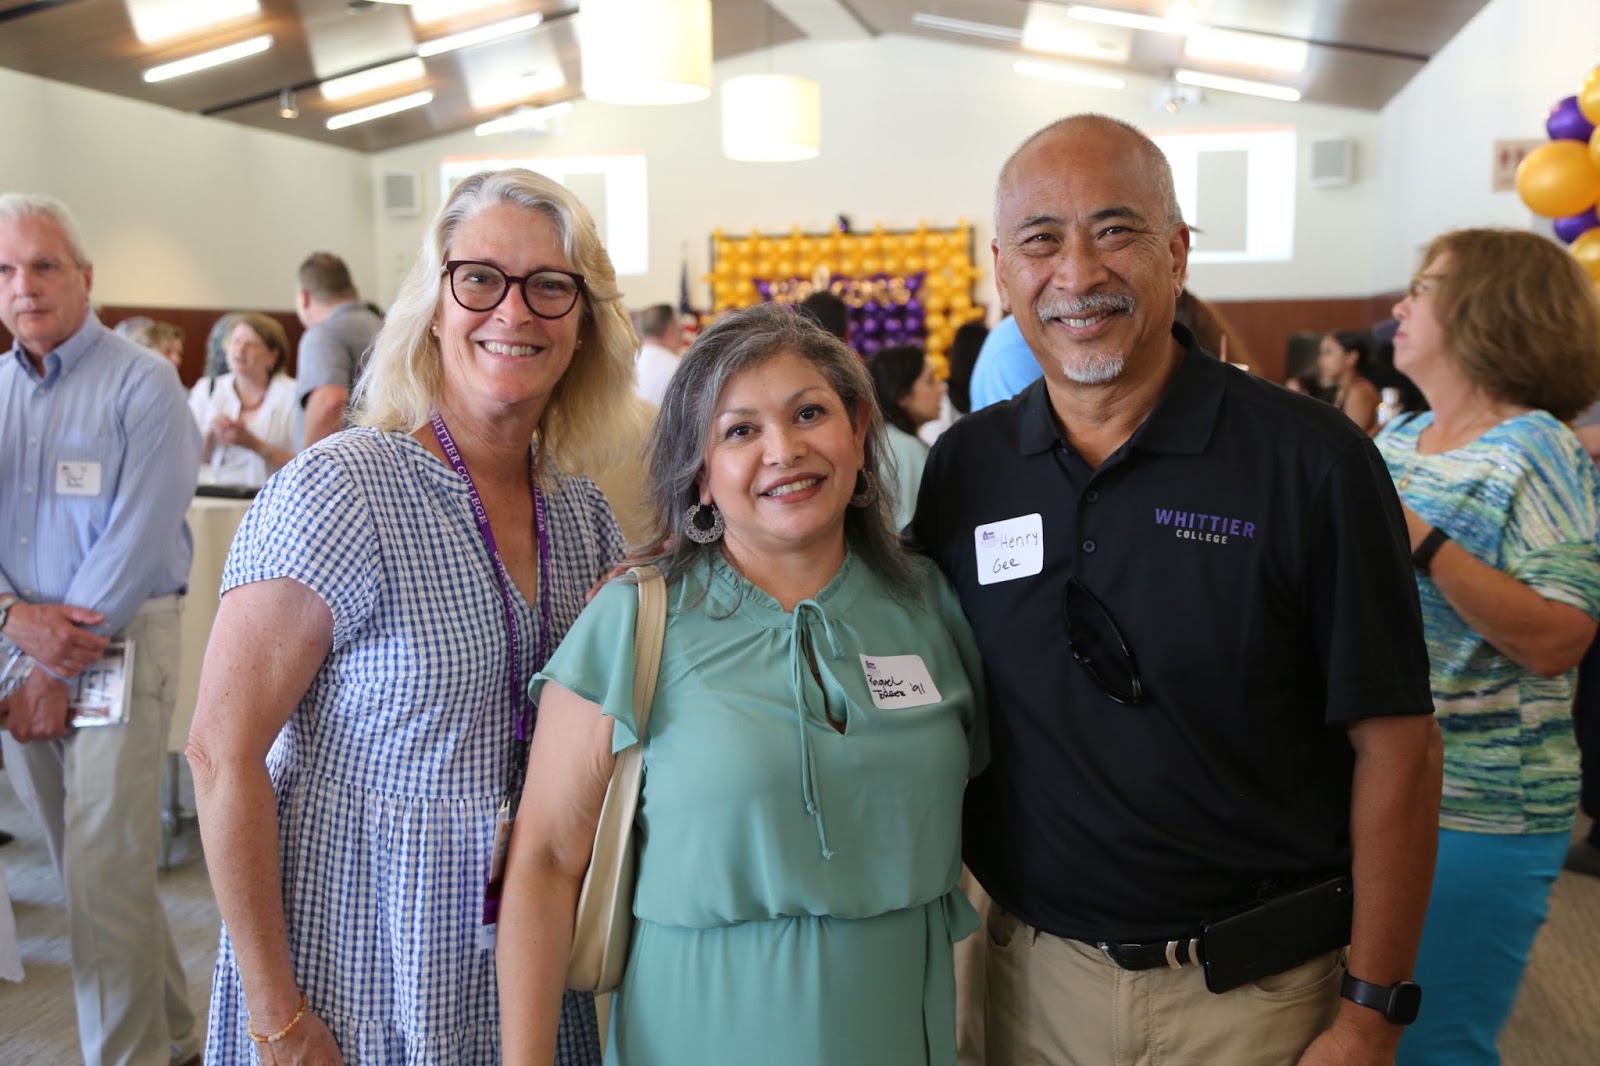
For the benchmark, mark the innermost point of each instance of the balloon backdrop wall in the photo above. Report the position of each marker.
(902, 286)
(1561, 180)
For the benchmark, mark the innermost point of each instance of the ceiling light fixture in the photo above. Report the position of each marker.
(287, 108)
(771, 118)
(971, 29)
(482, 35)
(425, 11)
(366, 81)
(645, 51)
(160, 20)
(383, 110)
(206, 60)
(507, 91)
(1236, 85)
(1248, 49)
(1110, 17)
(1057, 72)
(536, 118)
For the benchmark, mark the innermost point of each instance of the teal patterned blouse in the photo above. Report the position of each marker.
(1525, 499)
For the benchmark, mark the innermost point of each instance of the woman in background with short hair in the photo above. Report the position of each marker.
(1501, 332)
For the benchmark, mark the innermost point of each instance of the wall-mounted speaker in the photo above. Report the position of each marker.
(1332, 160)
(402, 193)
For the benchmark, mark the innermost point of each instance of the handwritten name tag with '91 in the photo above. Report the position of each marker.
(897, 681)
(1010, 549)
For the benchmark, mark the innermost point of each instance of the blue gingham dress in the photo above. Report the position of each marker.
(390, 772)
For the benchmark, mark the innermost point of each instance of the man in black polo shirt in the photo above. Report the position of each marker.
(1204, 651)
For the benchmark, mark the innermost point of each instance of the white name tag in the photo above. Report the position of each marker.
(1010, 549)
(897, 681)
(77, 479)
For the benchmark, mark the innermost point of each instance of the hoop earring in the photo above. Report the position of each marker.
(866, 489)
(703, 534)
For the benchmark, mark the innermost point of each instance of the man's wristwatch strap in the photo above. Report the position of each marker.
(1422, 558)
(1398, 1003)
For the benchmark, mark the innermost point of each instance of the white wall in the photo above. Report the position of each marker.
(1494, 81)
(180, 210)
(912, 130)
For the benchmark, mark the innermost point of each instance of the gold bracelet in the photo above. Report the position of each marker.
(250, 1029)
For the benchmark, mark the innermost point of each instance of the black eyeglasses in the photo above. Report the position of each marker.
(1099, 646)
(481, 286)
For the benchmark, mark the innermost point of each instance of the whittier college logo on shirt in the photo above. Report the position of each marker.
(1212, 528)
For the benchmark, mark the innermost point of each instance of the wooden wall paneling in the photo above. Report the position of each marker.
(1265, 326)
(196, 325)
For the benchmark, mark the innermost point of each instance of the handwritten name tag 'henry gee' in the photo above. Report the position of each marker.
(1010, 549)
(897, 681)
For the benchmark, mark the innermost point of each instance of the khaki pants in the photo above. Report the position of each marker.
(97, 793)
(1055, 1002)
(970, 965)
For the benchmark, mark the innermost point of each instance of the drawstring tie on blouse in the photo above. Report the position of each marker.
(797, 654)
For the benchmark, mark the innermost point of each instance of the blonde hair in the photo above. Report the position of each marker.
(400, 387)
(1520, 318)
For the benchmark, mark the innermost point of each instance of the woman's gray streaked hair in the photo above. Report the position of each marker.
(401, 385)
(676, 452)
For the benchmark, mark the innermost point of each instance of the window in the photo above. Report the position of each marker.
(612, 187)
(1237, 186)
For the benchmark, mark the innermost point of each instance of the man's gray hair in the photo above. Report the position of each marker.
(1155, 158)
(20, 205)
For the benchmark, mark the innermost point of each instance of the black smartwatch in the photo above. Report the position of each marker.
(1422, 558)
(1398, 1003)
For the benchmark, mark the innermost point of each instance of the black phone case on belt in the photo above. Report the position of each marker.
(1277, 935)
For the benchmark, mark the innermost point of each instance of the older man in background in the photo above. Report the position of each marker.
(98, 459)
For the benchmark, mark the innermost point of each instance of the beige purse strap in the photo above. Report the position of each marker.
(648, 634)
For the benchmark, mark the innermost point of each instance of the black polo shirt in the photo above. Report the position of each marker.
(1248, 544)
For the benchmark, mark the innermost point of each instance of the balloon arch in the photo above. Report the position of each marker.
(901, 286)
(1561, 180)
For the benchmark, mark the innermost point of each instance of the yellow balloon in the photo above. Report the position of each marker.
(914, 264)
(1559, 179)
(786, 247)
(763, 268)
(849, 266)
(786, 268)
(892, 264)
(934, 301)
(933, 322)
(872, 264)
(1586, 250)
(1589, 97)
(723, 269)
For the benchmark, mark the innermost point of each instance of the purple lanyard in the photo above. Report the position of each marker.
(519, 699)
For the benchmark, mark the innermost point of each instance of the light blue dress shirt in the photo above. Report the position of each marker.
(98, 460)
(1005, 366)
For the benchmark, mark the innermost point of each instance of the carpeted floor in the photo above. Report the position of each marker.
(1556, 1021)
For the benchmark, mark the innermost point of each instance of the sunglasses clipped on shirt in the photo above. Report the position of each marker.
(1099, 647)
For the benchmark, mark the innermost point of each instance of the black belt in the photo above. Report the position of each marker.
(1175, 954)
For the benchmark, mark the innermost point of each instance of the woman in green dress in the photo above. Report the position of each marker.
(818, 711)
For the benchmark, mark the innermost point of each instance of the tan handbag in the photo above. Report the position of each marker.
(605, 905)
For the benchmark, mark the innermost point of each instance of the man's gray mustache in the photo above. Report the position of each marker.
(1084, 306)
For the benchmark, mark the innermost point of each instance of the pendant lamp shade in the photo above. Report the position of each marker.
(771, 118)
(645, 51)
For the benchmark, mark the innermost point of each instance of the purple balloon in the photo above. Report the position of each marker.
(1566, 122)
(871, 324)
(1572, 227)
(869, 346)
(894, 324)
(764, 288)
